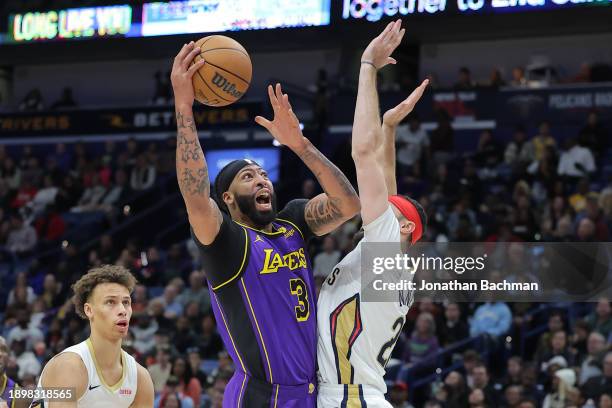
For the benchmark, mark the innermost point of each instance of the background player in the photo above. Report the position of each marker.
(355, 338)
(6, 384)
(102, 374)
(258, 272)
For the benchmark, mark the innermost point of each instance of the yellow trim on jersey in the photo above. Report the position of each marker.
(344, 327)
(280, 231)
(5, 378)
(258, 330)
(241, 389)
(118, 385)
(294, 226)
(229, 333)
(276, 395)
(246, 248)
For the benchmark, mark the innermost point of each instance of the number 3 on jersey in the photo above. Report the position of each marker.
(298, 288)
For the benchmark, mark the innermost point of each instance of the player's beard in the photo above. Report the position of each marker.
(246, 204)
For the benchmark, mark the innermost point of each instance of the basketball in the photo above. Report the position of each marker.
(226, 74)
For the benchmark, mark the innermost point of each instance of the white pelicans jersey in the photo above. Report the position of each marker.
(98, 394)
(355, 338)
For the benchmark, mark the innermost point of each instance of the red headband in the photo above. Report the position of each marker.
(409, 211)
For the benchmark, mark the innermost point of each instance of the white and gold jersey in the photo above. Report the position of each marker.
(355, 338)
(98, 393)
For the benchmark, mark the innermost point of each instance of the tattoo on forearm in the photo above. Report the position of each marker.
(195, 182)
(322, 212)
(188, 149)
(312, 155)
(185, 122)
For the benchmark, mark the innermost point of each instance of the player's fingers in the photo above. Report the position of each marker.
(190, 56)
(178, 57)
(197, 65)
(261, 121)
(286, 103)
(273, 99)
(391, 60)
(186, 48)
(279, 92)
(414, 97)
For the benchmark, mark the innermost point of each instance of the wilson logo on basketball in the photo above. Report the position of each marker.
(125, 392)
(222, 83)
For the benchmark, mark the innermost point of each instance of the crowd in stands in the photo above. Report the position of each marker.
(533, 188)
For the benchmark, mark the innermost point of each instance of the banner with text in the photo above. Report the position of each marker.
(132, 120)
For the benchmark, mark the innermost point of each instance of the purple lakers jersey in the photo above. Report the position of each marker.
(6, 385)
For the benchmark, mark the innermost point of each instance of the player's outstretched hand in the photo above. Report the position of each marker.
(394, 116)
(285, 127)
(182, 73)
(380, 48)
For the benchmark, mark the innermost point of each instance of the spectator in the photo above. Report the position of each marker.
(512, 396)
(195, 363)
(163, 91)
(477, 399)
(496, 80)
(594, 213)
(209, 341)
(215, 392)
(576, 161)
(173, 388)
(465, 80)
(22, 239)
(423, 343)
(519, 151)
(518, 78)
(309, 188)
(92, 196)
(160, 371)
(172, 307)
(412, 141)
(457, 389)
(454, 328)
(65, 101)
(325, 261)
(514, 372)
(442, 141)
(601, 319)
(595, 387)
(25, 359)
(590, 365)
(482, 379)
(563, 379)
(188, 383)
(578, 199)
(493, 319)
(543, 140)
(555, 324)
(143, 332)
(52, 295)
(398, 395)
(196, 292)
(143, 174)
(21, 283)
(183, 337)
(594, 135)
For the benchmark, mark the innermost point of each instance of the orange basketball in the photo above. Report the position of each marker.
(226, 73)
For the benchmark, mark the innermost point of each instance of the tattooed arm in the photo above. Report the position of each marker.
(191, 169)
(339, 203)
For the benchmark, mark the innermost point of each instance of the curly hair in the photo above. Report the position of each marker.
(85, 286)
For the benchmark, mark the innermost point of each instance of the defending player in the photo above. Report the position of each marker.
(355, 338)
(258, 272)
(99, 372)
(8, 387)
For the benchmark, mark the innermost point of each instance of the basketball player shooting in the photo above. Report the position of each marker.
(356, 338)
(259, 274)
(99, 372)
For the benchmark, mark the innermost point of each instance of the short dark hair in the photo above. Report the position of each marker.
(85, 286)
(421, 211)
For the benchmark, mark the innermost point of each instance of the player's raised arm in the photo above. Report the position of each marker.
(339, 202)
(367, 133)
(191, 169)
(391, 119)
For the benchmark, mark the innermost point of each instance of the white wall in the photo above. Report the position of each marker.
(481, 56)
(131, 82)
